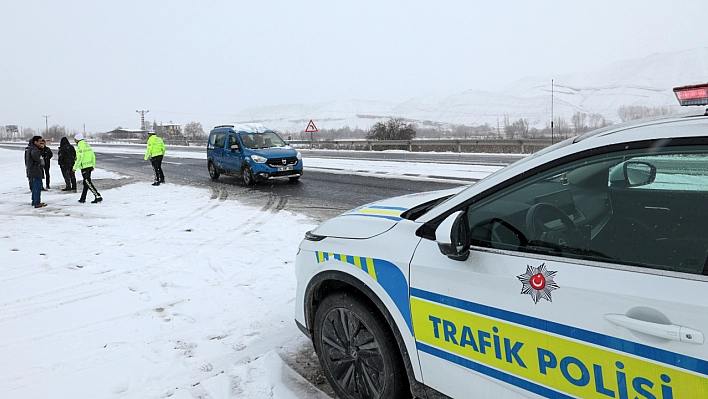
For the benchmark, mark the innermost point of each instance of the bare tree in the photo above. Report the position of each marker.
(562, 128)
(597, 121)
(28, 133)
(508, 131)
(522, 127)
(55, 133)
(517, 129)
(194, 130)
(632, 112)
(393, 129)
(578, 121)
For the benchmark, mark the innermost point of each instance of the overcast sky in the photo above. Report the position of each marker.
(96, 62)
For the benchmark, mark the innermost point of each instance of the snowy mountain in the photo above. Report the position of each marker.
(645, 81)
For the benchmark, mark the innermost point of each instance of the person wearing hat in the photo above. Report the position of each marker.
(86, 161)
(155, 152)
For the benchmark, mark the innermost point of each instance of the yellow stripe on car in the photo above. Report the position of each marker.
(562, 364)
(365, 264)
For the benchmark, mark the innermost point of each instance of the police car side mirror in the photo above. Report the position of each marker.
(453, 236)
(632, 174)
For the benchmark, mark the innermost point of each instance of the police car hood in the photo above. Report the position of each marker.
(377, 217)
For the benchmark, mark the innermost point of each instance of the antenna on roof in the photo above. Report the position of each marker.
(254, 122)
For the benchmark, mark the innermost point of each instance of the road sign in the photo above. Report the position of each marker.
(311, 128)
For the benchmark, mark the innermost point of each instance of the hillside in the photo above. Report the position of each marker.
(646, 81)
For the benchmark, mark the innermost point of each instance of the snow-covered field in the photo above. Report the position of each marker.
(157, 292)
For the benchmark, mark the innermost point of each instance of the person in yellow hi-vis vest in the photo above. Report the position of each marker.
(155, 152)
(85, 162)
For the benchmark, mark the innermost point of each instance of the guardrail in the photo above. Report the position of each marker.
(522, 146)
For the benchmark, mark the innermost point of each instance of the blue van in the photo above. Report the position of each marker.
(252, 152)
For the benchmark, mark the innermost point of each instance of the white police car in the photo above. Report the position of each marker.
(578, 272)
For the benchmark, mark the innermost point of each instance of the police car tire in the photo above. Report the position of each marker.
(247, 175)
(213, 173)
(368, 326)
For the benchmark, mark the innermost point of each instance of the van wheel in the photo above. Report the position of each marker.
(213, 173)
(357, 350)
(247, 175)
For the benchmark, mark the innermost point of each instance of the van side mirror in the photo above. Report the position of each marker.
(632, 174)
(453, 236)
(235, 147)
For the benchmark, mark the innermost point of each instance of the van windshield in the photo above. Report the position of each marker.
(261, 140)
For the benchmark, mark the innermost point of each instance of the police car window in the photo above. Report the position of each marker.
(630, 207)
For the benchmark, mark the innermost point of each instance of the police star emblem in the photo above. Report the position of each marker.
(538, 282)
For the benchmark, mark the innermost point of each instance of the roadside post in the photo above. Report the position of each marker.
(311, 128)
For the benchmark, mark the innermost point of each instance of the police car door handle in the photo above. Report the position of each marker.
(667, 331)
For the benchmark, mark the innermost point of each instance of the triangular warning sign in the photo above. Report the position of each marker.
(311, 128)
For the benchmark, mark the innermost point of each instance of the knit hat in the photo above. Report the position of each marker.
(79, 137)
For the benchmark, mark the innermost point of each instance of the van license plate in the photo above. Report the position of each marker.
(283, 168)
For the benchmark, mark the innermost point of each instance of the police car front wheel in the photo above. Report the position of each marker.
(358, 353)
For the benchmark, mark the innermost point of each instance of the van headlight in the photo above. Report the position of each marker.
(299, 156)
(258, 158)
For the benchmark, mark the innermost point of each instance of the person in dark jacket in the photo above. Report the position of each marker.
(27, 149)
(67, 157)
(33, 163)
(47, 154)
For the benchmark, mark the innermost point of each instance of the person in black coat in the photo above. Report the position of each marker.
(67, 157)
(27, 152)
(47, 154)
(33, 163)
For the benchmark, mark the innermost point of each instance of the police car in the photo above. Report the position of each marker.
(580, 271)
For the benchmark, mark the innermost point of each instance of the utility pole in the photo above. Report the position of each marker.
(46, 124)
(142, 118)
(551, 111)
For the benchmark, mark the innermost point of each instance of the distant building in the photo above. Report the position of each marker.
(171, 131)
(127, 134)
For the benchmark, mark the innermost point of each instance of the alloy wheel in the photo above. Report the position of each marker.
(353, 355)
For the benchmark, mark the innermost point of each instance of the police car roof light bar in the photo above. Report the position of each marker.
(692, 95)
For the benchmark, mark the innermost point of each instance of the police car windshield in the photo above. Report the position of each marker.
(261, 140)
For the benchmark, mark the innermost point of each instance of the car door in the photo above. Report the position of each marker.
(554, 300)
(233, 154)
(218, 149)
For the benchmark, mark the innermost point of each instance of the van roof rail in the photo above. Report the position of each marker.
(216, 127)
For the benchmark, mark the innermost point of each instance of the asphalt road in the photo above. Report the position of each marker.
(318, 195)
